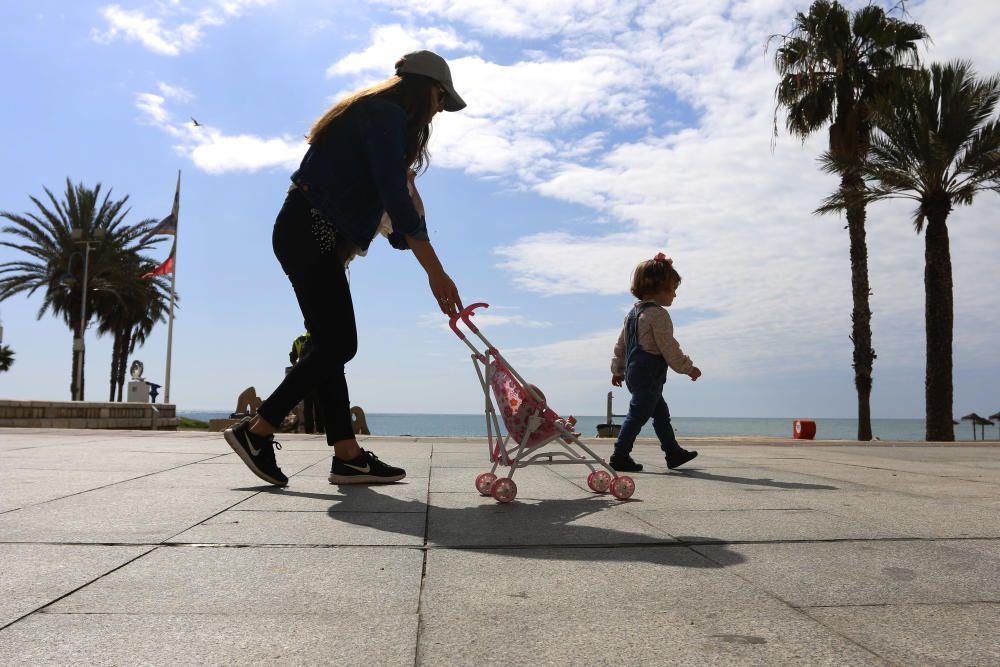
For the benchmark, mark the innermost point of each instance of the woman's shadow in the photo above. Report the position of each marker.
(544, 529)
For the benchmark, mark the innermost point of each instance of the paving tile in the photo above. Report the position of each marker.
(915, 515)
(130, 512)
(200, 639)
(21, 488)
(789, 555)
(316, 494)
(309, 528)
(633, 606)
(33, 575)
(761, 525)
(473, 520)
(866, 572)
(257, 581)
(955, 635)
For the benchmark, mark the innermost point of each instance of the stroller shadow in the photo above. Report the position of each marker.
(750, 481)
(538, 530)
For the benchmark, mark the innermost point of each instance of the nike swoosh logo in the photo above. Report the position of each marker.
(253, 450)
(366, 469)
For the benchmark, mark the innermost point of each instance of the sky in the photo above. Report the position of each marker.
(597, 134)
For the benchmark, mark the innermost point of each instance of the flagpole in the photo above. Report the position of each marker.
(173, 285)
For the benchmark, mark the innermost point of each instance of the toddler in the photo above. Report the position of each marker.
(645, 348)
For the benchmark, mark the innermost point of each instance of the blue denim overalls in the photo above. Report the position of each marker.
(645, 375)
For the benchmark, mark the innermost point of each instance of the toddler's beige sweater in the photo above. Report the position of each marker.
(655, 332)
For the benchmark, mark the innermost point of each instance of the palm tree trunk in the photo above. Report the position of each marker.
(861, 316)
(74, 327)
(126, 346)
(939, 321)
(72, 373)
(113, 377)
(120, 348)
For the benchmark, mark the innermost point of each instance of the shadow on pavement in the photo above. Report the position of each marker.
(510, 523)
(752, 481)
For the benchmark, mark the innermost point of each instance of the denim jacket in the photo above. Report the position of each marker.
(358, 171)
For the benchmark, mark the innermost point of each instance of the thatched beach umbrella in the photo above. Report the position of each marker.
(975, 419)
(983, 423)
(996, 418)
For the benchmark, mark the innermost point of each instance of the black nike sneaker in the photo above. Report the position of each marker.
(257, 452)
(364, 469)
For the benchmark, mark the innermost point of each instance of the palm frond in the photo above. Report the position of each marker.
(937, 142)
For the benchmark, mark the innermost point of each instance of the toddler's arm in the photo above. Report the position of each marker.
(663, 334)
(618, 361)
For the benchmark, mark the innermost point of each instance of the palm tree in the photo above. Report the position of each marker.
(46, 236)
(131, 313)
(939, 145)
(833, 66)
(6, 358)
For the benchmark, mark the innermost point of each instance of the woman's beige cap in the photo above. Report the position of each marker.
(432, 65)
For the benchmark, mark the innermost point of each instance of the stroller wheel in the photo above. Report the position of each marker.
(622, 488)
(504, 489)
(484, 482)
(599, 481)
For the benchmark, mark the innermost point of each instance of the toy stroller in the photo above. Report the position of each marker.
(531, 426)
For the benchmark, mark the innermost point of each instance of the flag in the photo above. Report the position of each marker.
(165, 268)
(168, 226)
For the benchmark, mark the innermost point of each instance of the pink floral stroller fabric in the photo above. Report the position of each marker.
(517, 405)
(530, 424)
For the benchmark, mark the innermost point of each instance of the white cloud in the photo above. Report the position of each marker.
(165, 33)
(389, 42)
(208, 147)
(588, 121)
(152, 107)
(217, 153)
(174, 92)
(498, 317)
(527, 19)
(774, 279)
(966, 30)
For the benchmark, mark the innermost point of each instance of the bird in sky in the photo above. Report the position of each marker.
(196, 123)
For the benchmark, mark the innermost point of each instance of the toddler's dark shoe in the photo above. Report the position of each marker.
(624, 463)
(680, 458)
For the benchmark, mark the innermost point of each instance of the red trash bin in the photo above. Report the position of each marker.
(803, 429)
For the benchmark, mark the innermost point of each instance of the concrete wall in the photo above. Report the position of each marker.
(86, 414)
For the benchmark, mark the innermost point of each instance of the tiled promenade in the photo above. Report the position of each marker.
(132, 548)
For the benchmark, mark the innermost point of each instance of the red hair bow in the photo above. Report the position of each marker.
(660, 257)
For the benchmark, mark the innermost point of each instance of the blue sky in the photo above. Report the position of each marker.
(596, 135)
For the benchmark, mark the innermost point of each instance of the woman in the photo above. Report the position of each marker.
(363, 155)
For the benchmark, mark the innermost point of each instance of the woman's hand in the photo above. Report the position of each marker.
(442, 287)
(444, 290)
(617, 380)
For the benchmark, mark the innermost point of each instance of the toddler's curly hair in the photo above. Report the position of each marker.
(654, 275)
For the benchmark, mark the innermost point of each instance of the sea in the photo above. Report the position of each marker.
(775, 427)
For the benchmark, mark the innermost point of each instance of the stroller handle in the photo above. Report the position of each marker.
(464, 315)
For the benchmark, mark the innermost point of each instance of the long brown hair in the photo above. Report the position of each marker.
(410, 91)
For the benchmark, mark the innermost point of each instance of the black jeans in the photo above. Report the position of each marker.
(324, 297)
